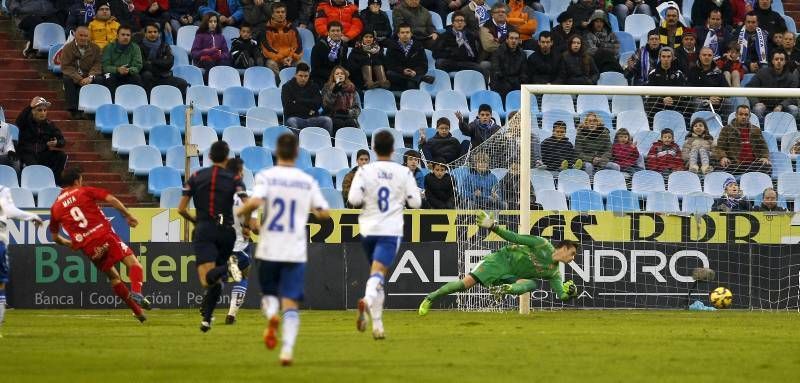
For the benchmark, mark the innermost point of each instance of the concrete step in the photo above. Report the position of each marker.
(29, 93)
(74, 125)
(75, 136)
(19, 73)
(52, 114)
(12, 43)
(20, 103)
(104, 177)
(85, 145)
(13, 85)
(99, 166)
(84, 156)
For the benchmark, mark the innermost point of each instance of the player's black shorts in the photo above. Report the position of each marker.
(213, 242)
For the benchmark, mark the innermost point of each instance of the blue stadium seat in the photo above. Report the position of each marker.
(436, 20)
(771, 140)
(561, 102)
(542, 23)
(407, 121)
(8, 176)
(431, 61)
(334, 198)
(163, 137)
(499, 173)
(620, 103)
(552, 116)
(142, 159)
(92, 96)
(606, 181)
(712, 182)
(248, 179)
(203, 137)
(130, 97)
(697, 203)
(203, 97)
(47, 196)
(260, 118)
(644, 140)
(441, 82)
(271, 98)
(662, 202)
(585, 200)
(646, 181)
(238, 138)
(488, 97)
(622, 201)
(612, 78)
(380, 99)
(13, 130)
(37, 177)
(176, 159)
(51, 55)
(221, 117)
(126, 137)
(781, 163)
(542, 180)
(419, 100)
(638, 25)
(592, 102)
(230, 33)
(307, 37)
(753, 183)
(350, 139)
(192, 74)
(331, 159)
(468, 82)
(779, 123)
(22, 197)
(256, 158)
(161, 178)
(339, 178)
(170, 197)
(177, 117)
(791, 26)
(398, 137)
(626, 43)
(185, 38)
(286, 74)
(371, 119)
(46, 35)
(222, 77)
(257, 78)
(314, 138)
(614, 23)
(303, 159)
(788, 140)
(271, 134)
(148, 116)
(552, 200)
(454, 100)
(789, 185)
(571, 180)
(682, 183)
(181, 56)
(669, 119)
(238, 98)
(712, 119)
(322, 176)
(513, 100)
(109, 116)
(633, 120)
(166, 97)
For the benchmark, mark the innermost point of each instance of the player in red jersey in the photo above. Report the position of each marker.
(76, 210)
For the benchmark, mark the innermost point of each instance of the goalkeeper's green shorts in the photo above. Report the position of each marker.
(494, 269)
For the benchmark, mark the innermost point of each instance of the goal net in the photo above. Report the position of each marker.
(645, 212)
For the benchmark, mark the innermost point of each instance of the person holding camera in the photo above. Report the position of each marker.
(40, 142)
(340, 101)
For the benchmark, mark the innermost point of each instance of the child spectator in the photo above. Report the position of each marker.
(624, 152)
(665, 155)
(442, 145)
(376, 21)
(478, 187)
(481, 128)
(697, 148)
(245, 50)
(795, 149)
(593, 144)
(731, 66)
(732, 198)
(557, 152)
(411, 160)
(439, 187)
(362, 158)
(210, 48)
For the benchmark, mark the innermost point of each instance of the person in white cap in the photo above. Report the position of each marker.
(40, 142)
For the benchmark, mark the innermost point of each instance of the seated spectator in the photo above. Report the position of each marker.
(343, 11)
(40, 142)
(439, 193)
(479, 130)
(624, 152)
(697, 148)
(509, 186)
(362, 158)
(544, 63)
(701, 9)
(643, 60)
(670, 31)
(578, 68)
(413, 161)
(714, 34)
(770, 21)
(562, 32)
(8, 155)
(602, 43)
(706, 74)
(210, 48)
(557, 152)
(741, 147)
(153, 11)
(581, 11)
(667, 74)
(256, 14)
(665, 155)
(28, 14)
(776, 41)
(301, 13)
(792, 53)
(80, 14)
(769, 202)
(340, 99)
(103, 28)
(417, 17)
(522, 18)
(122, 61)
(81, 64)
(512, 140)
(376, 21)
(406, 63)
(366, 61)
(752, 42)
(794, 150)
(476, 13)
(458, 49)
(731, 65)
(623, 8)
(687, 54)
(327, 53)
(478, 186)
(229, 12)
(774, 76)
(157, 61)
(302, 101)
(442, 145)
(282, 46)
(732, 199)
(182, 13)
(509, 66)
(494, 32)
(245, 52)
(593, 144)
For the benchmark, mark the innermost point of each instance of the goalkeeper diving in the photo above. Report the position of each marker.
(513, 268)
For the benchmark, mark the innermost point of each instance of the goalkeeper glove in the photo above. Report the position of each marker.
(485, 221)
(570, 290)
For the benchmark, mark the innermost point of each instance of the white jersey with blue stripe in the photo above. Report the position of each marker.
(241, 242)
(382, 189)
(289, 194)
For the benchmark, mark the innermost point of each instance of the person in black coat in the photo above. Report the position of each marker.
(458, 49)
(509, 66)
(366, 63)
(376, 21)
(157, 60)
(544, 63)
(302, 100)
(40, 142)
(557, 152)
(578, 68)
(442, 145)
(439, 187)
(406, 63)
(327, 53)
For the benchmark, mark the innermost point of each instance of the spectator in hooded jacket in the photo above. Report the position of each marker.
(376, 21)
(509, 66)
(157, 61)
(593, 144)
(329, 52)
(343, 11)
(103, 28)
(210, 48)
(458, 49)
(40, 142)
(602, 43)
(442, 145)
(230, 12)
(282, 45)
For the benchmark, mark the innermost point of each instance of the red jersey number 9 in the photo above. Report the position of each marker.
(78, 216)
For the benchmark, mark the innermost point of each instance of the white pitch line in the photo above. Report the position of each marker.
(649, 294)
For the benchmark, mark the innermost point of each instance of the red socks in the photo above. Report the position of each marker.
(135, 275)
(123, 293)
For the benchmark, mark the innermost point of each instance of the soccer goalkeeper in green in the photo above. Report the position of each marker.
(511, 270)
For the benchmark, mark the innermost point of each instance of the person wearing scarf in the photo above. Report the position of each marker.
(458, 48)
(122, 61)
(157, 61)
(732, 198)
(714, 34)
(81, 13)
(670, 32)
(476, 13)
(494, 32)
(406, 63)
(640, 63)
(752, 44)
(367, 59)
(340, 101)
(327, 53)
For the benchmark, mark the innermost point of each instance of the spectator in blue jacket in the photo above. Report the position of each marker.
(413, 161)
(478, 186)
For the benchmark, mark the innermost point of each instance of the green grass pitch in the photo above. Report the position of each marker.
(445, 346)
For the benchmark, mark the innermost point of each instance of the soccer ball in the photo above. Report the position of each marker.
(721, 297)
